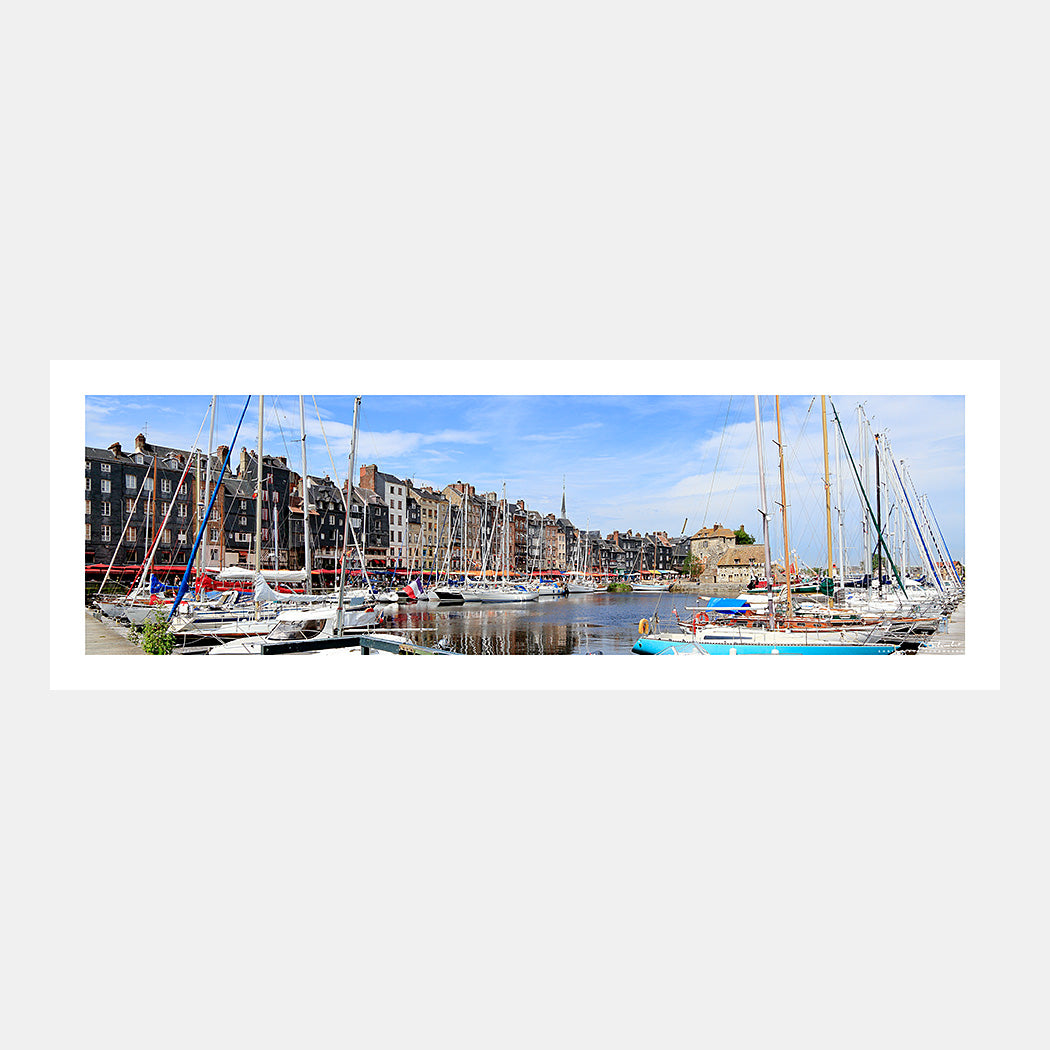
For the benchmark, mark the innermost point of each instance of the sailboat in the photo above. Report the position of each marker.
(738, 637)
(235, 617)
(147, 597)
(579, 581)
(503, 589)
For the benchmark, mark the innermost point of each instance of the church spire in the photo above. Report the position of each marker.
(563, 496)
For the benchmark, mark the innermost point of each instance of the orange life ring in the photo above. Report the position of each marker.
(643, 626)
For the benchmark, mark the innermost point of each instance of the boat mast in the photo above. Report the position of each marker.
(200, 532)
(866, 501)
(862, 451)
(346, 520)
(763, 512)
(258, 504)
(154, 500)
(878, 515)
(207, 476)
(306, 499)
(827, 487)
(258, 494)
(783, 507)
(842, 544)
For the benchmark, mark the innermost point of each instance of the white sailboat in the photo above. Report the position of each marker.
(732, 637)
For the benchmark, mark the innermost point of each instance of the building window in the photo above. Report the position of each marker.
(133, 533)
(147, 484)
(244, 519)
(130, 482)
(105, 485)
(106, 534)
(87, 530)
(87, 506)
(167, 538)
(87, 484)
(165, 485)
(213, 536)
(182, 510)
(104, 467)
(106, 509)
(129, 505)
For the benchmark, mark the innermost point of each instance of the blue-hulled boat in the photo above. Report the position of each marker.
(656, 645)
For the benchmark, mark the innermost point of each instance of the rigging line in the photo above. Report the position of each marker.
(277, 418)
(714, 472)
(335, 473)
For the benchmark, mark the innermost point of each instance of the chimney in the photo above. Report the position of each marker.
(368, 477)
(115, 448)
(140, 442)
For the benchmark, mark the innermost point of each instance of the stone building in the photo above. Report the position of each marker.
(393, 492)
(740, 564)
(707, 546)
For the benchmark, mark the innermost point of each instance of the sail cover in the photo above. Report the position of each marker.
(265, 593)
(269, 575)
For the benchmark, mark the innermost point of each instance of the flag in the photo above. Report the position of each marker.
(155, 586)
(414, 589)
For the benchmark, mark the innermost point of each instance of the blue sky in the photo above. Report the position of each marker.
(642, 462)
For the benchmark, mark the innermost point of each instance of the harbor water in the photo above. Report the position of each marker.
(603, 623)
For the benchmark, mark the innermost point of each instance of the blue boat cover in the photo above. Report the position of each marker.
(727, 604)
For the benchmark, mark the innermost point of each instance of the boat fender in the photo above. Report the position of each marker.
(643, 626)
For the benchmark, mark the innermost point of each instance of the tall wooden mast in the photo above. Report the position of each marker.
(784, 509)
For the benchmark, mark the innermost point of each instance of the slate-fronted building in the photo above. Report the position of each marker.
(127, 496)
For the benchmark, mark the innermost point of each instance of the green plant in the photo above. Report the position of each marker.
(155, 637)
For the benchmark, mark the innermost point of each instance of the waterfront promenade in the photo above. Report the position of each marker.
(106, 639)
(951, 640)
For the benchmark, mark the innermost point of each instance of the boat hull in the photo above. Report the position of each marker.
(652, 646)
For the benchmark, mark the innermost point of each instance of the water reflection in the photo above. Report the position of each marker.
(578, 624)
